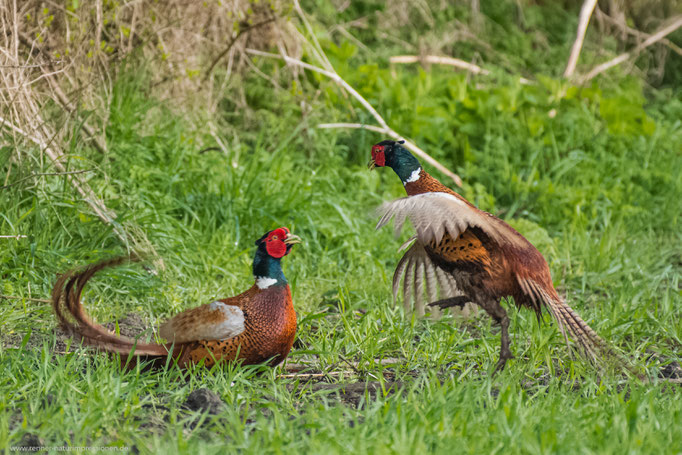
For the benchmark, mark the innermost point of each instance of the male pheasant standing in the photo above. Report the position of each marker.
(256, 326)
(467, 251)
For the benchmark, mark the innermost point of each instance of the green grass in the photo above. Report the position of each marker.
(596, 188)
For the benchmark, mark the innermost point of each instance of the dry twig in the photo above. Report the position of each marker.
(634, 32)
(585, 14)
(450, 61)
(59, 93)
(654, 38)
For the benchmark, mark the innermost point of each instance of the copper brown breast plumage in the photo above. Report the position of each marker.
(256, 326)
(269, 332)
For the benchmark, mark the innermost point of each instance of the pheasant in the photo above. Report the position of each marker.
(466, 251)
(256, 326)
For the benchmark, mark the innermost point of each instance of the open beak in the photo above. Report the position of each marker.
(291, 239)
(372, 164)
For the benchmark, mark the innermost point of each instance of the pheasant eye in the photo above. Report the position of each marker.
(274, 237)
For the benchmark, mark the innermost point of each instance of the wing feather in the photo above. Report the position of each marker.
(399, 270)
(408, 284)
(433, 214)
(419, 287)
(420, 278)
(212, 321)
(447, 284)
(431, 288)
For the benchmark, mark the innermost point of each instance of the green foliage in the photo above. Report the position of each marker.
(590, 175)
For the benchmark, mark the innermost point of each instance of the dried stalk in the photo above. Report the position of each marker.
(59, 93)
(585, 14)
(434, 59)
(316, 48)
(384, 126)
(634, 32)
(450, 61)
(654, 38)
(25, 86)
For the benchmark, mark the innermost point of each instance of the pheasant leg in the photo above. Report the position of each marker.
(499, 314)
(459, 301)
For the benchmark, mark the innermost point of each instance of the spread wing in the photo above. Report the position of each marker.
(212, 321)
(434, 214)
(419, 275)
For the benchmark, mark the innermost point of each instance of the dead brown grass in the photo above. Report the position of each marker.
(58, 62)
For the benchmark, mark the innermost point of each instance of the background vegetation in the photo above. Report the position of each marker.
(186, 140)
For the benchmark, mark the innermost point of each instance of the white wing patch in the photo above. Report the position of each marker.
(264, 282)
(213, 321)
(234, 319)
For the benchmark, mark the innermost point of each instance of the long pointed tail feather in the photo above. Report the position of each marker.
(66, 302)
(589, 343)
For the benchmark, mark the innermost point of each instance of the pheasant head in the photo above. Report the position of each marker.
(272, 247)
(394, 155)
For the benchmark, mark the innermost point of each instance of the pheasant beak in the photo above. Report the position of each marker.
(372, 164)
(291, 239)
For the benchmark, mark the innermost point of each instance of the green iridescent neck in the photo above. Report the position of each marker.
(267, 270)
(404, 164)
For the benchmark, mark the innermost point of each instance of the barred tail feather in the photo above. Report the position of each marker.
(66, 302)
(589, 343)
(570, 323)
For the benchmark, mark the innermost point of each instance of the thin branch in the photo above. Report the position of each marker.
(313, 375)
(15, 237)
(634, 32)
(59, 93)
(450, 61)
(659, 35)
(37, 65)
(386, 129)
(362, 126)
(585, 14)
(434, 59)
(333, 76)
(393, 135)
(321, 56)
(43, 174)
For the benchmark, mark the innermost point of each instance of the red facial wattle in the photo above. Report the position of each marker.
(274, 243)
(378, 155)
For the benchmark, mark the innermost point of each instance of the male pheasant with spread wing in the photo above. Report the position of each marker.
(472, 253)
(256, 326)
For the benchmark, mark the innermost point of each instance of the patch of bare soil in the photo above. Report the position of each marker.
(354, 393)
(673, 370)
(30, 442)
(205, 400)
(130, 326)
